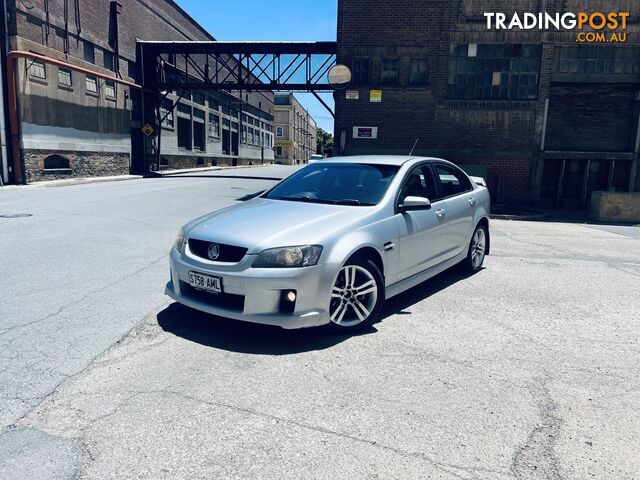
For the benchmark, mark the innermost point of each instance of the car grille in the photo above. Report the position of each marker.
(222, 300)
(228, 253)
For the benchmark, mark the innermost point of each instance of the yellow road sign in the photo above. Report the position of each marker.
(148, 129)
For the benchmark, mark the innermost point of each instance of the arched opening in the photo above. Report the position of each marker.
(279, 132)
(164, 162)
(200, 161)
(56, 162)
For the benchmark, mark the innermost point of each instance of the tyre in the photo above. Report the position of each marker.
(477, 250)
(357, 296)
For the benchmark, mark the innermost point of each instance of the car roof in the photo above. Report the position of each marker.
(378, 159)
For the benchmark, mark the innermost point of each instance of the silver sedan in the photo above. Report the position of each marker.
(330, 243)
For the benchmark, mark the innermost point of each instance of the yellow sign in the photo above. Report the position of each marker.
(285, 143)
(148, 129)
(375, 96)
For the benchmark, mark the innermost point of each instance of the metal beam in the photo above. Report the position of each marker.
(248, 66)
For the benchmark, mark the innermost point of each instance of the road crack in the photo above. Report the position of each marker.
(536, 459)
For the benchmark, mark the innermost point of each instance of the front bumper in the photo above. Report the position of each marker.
(255, 292)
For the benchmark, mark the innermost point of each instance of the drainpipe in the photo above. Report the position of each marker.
(14, 123)
(4, 157)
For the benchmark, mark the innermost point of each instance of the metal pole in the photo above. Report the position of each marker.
(4, 157)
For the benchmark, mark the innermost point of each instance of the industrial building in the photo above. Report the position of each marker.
(545, 118)
(74, 121)
(295, 130)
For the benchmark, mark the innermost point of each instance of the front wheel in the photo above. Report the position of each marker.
(357, 296)
(477, 250)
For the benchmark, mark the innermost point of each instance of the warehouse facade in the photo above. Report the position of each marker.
(295, 130)
(546, 119)
(75, 124)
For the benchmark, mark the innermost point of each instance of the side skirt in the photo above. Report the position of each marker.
(412, 281)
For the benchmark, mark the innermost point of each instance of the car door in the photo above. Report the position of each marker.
(422, 233)
(460, 199)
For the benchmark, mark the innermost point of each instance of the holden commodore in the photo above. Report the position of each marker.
(330, 243)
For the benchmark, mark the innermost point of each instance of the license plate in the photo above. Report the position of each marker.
(204, 282)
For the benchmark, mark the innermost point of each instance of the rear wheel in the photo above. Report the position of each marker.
(357, 296)
(477, 250)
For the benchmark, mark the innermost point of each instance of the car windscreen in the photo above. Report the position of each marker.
(336, 183)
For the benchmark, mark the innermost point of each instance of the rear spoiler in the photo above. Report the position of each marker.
(479, 180)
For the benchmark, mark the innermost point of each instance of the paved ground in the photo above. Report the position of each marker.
(528, 369)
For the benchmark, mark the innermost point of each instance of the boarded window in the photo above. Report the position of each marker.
(110, 89)
(92, 85)
(37, 69)
(56, 162)
(64, 77)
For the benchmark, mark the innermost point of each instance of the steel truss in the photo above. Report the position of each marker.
(247, 66)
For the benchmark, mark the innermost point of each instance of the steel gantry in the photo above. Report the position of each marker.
(250, 66)
(231, 67)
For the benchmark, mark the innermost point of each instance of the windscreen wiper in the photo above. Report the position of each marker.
(352, 201)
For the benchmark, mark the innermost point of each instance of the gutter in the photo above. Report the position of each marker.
(14, 123)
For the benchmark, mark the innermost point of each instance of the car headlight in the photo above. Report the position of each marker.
(179, 245)
(301, 256)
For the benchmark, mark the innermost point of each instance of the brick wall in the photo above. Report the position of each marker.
(39, 27)
(505, 136)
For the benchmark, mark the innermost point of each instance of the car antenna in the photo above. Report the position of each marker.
(414, 146)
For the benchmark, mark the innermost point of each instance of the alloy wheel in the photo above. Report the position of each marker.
(478, 248)
(353, 297)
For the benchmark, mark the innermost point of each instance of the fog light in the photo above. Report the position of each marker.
(288, 301)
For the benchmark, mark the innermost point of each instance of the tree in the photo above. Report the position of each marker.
(325, 142)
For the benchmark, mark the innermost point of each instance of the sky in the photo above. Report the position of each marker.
(285, 20)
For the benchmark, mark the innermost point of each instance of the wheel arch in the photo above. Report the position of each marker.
(484, 221)
(368, 253)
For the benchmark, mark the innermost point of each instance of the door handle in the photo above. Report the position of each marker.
(440, 212)
(472, 201)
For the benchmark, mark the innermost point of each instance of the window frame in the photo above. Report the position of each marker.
(357, 73)
(436, 177)
(279, 129)
(89, 78)
(426, 72)
(107, 85)
(88, 52)
(32, 75)
(65, 70)
(382, 71)
(425, 166)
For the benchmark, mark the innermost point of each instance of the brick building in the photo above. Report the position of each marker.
(543, 117)
(295, 130)
(74, 124)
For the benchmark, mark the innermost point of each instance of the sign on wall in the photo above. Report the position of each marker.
(365, 132)
(375, 96)
(352, 94)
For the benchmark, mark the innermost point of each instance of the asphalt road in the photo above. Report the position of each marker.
(527, 370)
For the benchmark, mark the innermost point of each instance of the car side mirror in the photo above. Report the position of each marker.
(414, 203)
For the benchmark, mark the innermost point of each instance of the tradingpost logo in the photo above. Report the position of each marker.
(595, 27)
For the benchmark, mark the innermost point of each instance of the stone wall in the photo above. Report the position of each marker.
(81, 164)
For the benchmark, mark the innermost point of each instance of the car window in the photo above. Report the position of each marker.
(337, 183)
(419, 183)
(452, 180)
